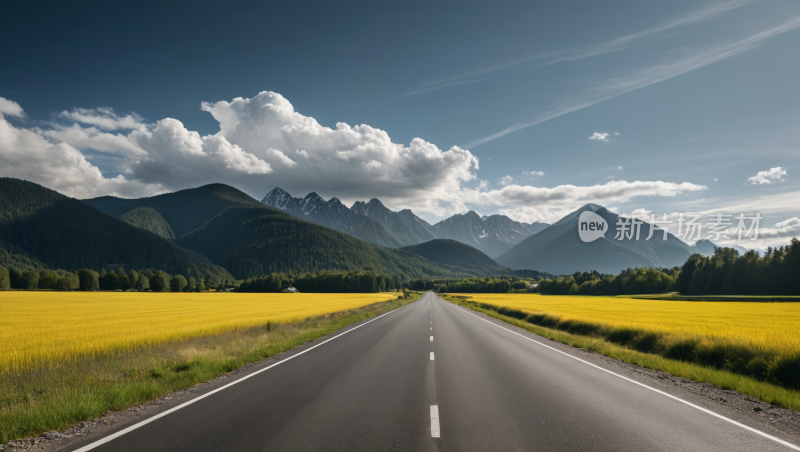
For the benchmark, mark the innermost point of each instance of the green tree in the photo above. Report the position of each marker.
(15, 278)
(109, 281)
(133, 277)
(87, 279)
(69, 281)
(48, 279)
(212, 281)
(160, 282)
(191, 284)
(5, 281)
(687, 272)
(124, 282)
(177, 284)
(201, 287)
(142, 283)
(30, 279)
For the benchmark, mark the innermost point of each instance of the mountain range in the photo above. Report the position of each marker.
(558, 248)
(373, 222)
(217, 230)
(210, 231)
(249, 238)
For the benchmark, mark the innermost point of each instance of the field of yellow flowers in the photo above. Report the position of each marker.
(49, 328)
(760, 340)
(773, 327)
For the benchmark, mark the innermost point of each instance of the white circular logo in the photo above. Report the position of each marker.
(591, 226)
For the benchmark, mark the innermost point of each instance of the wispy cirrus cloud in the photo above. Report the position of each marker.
(641, 78)
(533, 173)
(551, 58)
(529, 203)
(104, 118)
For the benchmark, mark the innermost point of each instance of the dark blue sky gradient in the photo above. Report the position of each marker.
(356, 62)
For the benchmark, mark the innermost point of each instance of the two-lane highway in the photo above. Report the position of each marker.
(434, 376)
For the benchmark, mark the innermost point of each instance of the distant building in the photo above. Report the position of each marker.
(290, 289)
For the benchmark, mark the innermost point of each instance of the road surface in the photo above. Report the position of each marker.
(435, 376)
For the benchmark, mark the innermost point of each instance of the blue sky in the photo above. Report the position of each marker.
(703, 96)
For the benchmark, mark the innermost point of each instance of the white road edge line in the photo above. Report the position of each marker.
(431, 356)
(738, 424)
(435, 433)
(133, 427)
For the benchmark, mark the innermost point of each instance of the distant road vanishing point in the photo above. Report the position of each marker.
(435, 376)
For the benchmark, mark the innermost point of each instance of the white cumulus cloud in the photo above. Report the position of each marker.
(767, 177)
(505, 180)
(786, 228)
(600, 137)
(282, 157)
(350, 162)
(10, 108)
(263, 143)
(24, 154)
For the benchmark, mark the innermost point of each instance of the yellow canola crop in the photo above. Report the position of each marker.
(39, 328)
(773, 328)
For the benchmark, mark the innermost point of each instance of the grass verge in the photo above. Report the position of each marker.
(762, 390)
(45, 399)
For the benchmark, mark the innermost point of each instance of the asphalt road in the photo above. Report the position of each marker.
(382, 386)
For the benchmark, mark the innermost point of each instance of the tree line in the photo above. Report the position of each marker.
(777, 272)
(630, 281)
(327, 282)
(487, 284)
(111, 280)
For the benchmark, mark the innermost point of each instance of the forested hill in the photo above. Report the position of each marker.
(183, 210)
(465, 257)
(250, 239)
(149, 219)
(63, 232)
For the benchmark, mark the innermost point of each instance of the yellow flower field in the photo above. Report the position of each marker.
(771, 328)
(51, 327)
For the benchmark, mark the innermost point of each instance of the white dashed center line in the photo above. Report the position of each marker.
(435, 421)
(431, 356)
(431, 338)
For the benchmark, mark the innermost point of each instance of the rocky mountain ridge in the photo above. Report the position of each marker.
(374, 222)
